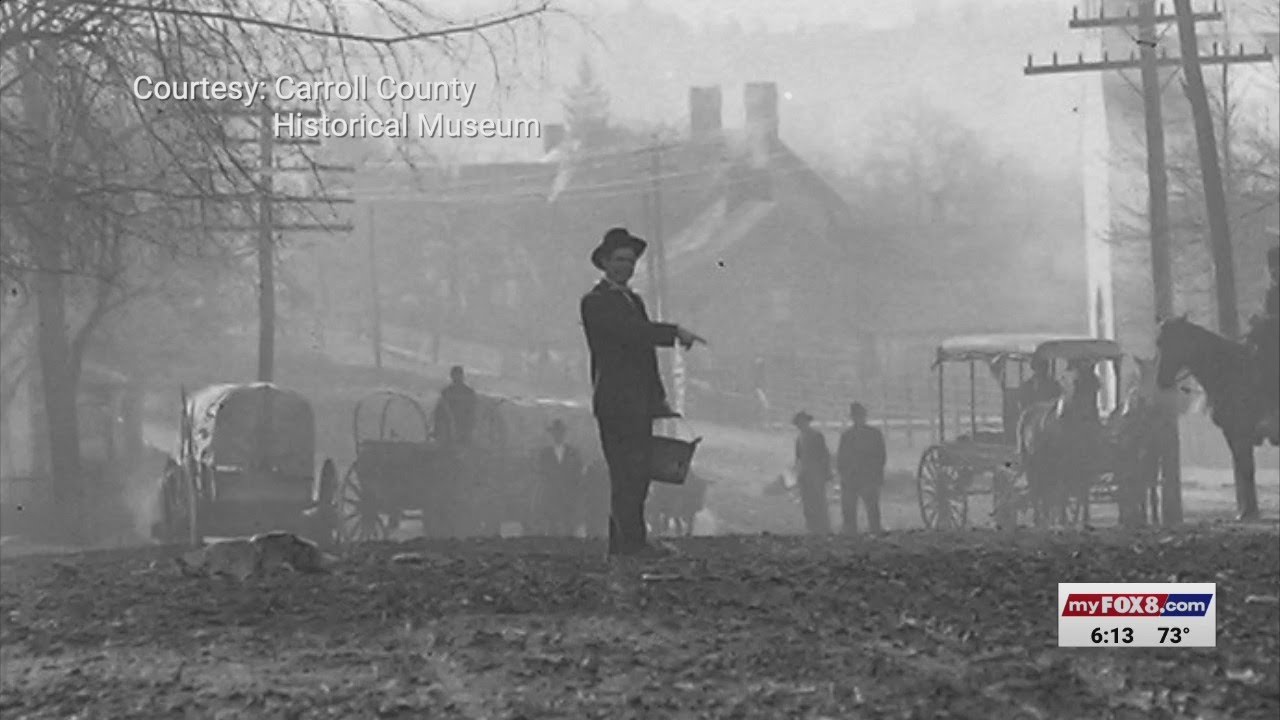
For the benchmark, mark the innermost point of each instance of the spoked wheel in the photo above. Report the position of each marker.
(944, 502)
(359, 510)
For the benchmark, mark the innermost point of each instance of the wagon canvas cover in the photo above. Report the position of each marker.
(253, 425)
(519, 425)
(1060, 347)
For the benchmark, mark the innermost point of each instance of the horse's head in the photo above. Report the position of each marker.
(1175, 347)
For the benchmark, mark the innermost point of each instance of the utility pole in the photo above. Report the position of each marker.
(672, 371)
(1148, 62)
(375, 297)
(266, 228)
(266, 248)
(659, 247)
(1157, 172)
(1215, 198)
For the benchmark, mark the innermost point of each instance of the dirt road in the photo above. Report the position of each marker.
(915, 625)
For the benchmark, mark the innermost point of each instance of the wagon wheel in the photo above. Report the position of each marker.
(359, 509)
(944, 503)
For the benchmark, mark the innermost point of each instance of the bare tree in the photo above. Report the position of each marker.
(97, 186)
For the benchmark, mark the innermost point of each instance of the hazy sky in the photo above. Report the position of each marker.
(975, 72)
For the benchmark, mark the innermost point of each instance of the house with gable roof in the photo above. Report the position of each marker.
(761, 262)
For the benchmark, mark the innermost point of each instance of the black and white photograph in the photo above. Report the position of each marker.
(640, 359)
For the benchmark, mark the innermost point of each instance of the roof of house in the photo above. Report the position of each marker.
(715, 232)
(727, 220)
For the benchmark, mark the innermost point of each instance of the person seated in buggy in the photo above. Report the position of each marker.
(1083, 403)
(1041, 387)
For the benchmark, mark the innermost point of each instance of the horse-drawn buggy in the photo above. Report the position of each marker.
(398, 473)
(455, 488)
(1002, 453)
(246, 465)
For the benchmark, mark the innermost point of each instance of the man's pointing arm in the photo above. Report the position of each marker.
(609, 315)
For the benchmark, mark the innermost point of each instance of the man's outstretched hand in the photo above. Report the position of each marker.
(688, 338)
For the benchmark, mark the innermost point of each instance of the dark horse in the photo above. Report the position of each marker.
(1132, 432)
(1231, 375)
(1060, 444)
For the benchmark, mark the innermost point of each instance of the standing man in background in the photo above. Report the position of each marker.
(860, 460)
(627, 391)
(813, 472)
(560, 484)
(455, 413)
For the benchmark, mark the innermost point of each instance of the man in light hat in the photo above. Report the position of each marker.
(627, 391)
(813, 472)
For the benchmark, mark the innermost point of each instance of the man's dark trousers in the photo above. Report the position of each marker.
(851, 491)
(813, 501)
(627, 443)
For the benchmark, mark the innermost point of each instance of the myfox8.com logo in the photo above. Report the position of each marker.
(1137, 605)
(1137, 615)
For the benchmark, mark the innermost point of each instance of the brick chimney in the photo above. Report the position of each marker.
(704, 112)
(552, 136)
(760, 100)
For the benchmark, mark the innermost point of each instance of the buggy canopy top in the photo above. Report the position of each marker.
(258, 425)
(1026, 346)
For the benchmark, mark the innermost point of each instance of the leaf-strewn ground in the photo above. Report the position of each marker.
(916, 624)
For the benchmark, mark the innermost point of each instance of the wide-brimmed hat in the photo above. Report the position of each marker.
(614, 239)
(801, 418)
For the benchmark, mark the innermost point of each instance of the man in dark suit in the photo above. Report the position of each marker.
(627, 391)
(455, 413)
(860, 460)
(560, 480)
(813, 472)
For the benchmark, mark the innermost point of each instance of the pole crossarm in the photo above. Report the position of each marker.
(293, 227)
(1131, 20)
(255, 141)
(318, 167)
(1134, 63)
(295, 199)
(252, 113)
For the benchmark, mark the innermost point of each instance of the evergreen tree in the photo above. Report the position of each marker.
(586, 109)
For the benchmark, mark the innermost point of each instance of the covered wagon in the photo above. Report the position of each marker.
(246, 465)
(408, 470)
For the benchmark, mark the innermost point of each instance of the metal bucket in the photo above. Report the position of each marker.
(670, 459)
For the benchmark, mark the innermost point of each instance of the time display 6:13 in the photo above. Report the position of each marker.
(1118, 636)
